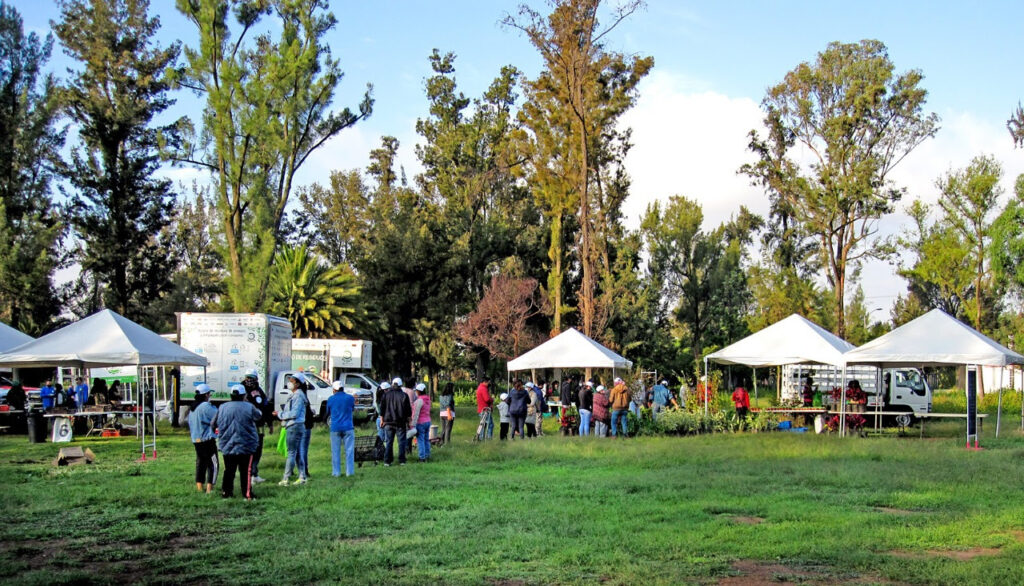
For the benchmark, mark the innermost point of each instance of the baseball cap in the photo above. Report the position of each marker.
(529, 384)
(202, 389)
(252, 372)
(421, 387)
(664, 382)
(503, 396)
(397, 382)
(619, 380)
(238, 390)
(385, 385)
(590, 383)
(337, 385)
(600, 388)
(299, 377)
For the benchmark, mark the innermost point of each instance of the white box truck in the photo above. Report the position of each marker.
(903, 390)
(349, 361)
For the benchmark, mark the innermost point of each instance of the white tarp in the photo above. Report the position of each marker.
(11, 338)
(934, 339)
(570, 349)
(102, 339)
(794, 340)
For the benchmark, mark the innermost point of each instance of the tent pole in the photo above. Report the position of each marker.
(999, 409)
(755, 385)
(842, 407)
(707, 386)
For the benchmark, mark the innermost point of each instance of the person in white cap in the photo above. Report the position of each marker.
(235, 423)
(421, 419)
(619, 400)
(378, 407)
(339, 413)
(204, 440)
(503, 418)
(411, 431)
(257, 398)
(661, 396)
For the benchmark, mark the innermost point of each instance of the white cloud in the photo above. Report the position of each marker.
(690, 140)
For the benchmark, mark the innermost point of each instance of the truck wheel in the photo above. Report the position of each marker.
(904, 419)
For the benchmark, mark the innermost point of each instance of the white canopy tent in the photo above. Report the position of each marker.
(570, 349)
(11, 338)
(935, 339)
(793, 340)
(100, 340)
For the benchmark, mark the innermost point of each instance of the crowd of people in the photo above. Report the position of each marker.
(237, 429)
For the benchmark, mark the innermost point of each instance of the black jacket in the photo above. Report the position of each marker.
(587, 399)
(565, 394)
(395, 409)
(518, 402)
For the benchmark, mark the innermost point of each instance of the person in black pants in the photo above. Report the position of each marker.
(519, 403)
(235, 423)
(395, 413)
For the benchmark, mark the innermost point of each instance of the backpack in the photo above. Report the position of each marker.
(310, 418)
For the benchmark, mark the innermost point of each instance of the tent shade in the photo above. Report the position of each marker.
(934, 339)
(102, 339)
(12, 338)
(794, 340)
(570, 349)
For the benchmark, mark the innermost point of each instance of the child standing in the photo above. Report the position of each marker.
(503, 412)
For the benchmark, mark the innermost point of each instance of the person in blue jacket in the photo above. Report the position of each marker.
(81, 393)
(200, 420)
(48, 395)
(339, 414)
(293, 418)
(237, 438)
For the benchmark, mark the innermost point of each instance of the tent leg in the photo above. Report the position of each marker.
(755, 386)
(707, 386)
(999, 409)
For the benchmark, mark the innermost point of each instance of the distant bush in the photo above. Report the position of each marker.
(955, 401)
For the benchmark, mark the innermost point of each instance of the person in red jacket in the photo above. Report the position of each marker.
(741, 399)
(484, 402)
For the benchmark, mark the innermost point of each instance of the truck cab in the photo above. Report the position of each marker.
(902, 389)
(321, 390)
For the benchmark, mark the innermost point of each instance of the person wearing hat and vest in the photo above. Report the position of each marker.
(661, 396)
(237, 439)
(421, 418)
(339, 414)
(293, 418)
(200, 417)
(258, 399)
(619, 400)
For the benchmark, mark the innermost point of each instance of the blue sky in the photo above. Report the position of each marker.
(713, 62)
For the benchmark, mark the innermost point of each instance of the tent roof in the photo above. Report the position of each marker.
(934, 339)
(570, 349)
(10, 337)
(102, 339)
(794, 340)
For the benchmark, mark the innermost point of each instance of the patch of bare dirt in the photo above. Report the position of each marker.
(960, 555)
(502, 582)
(755, 573)
(747, 520)
(357, 540)
(895, 511)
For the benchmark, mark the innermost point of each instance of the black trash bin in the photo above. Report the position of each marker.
(36, 427)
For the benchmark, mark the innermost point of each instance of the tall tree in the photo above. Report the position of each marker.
(1016, 126)
(938, 273)
(857, 120)
(580, 97)
(501, 321)
(268, 108)
(118, 207)
(969, 200)
(30, 142)
(1008, 242)
(320, 301)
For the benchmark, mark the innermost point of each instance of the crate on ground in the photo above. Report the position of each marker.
(369, 448)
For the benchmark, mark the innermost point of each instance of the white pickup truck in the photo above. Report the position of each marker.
(359, 386)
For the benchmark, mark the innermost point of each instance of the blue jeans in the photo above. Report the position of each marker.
(620, 415)
(390, 433)
(307, 434)
(293, 439)
(584, 422)
(634, 409)
(423, 439)
(349, 438)
(490, 424)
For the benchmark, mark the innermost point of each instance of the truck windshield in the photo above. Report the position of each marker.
(910, 379)
(316, 381)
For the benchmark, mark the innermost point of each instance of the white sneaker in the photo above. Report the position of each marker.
(300, 481)
(258, 480)
(283, 482)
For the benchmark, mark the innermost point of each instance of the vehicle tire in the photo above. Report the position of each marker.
(904, 420)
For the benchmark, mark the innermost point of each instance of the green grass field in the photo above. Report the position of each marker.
(722, 509)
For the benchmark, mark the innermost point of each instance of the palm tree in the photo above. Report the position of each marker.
(320, 301)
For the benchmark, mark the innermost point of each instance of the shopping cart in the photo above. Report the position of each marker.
(369, 448)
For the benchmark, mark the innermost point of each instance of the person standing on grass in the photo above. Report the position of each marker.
(258, 399)
(81, 393)
(339, 414)
(378, 402)
(741, 399)
(565, 396)
(586, 407)
(237, 439)
(48, 395)
(619, 400)
(447, 400)
(411, 431)
(200, 428)
(541, 406)
(661, 396)
(307, 424)
(531, 411)
(600, 414)
(484, 403)
(395, 413)
(421, 415)
(518, 404)
(503, 416)
(293, 418)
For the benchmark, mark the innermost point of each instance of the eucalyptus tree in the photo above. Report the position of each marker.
(857, 120)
